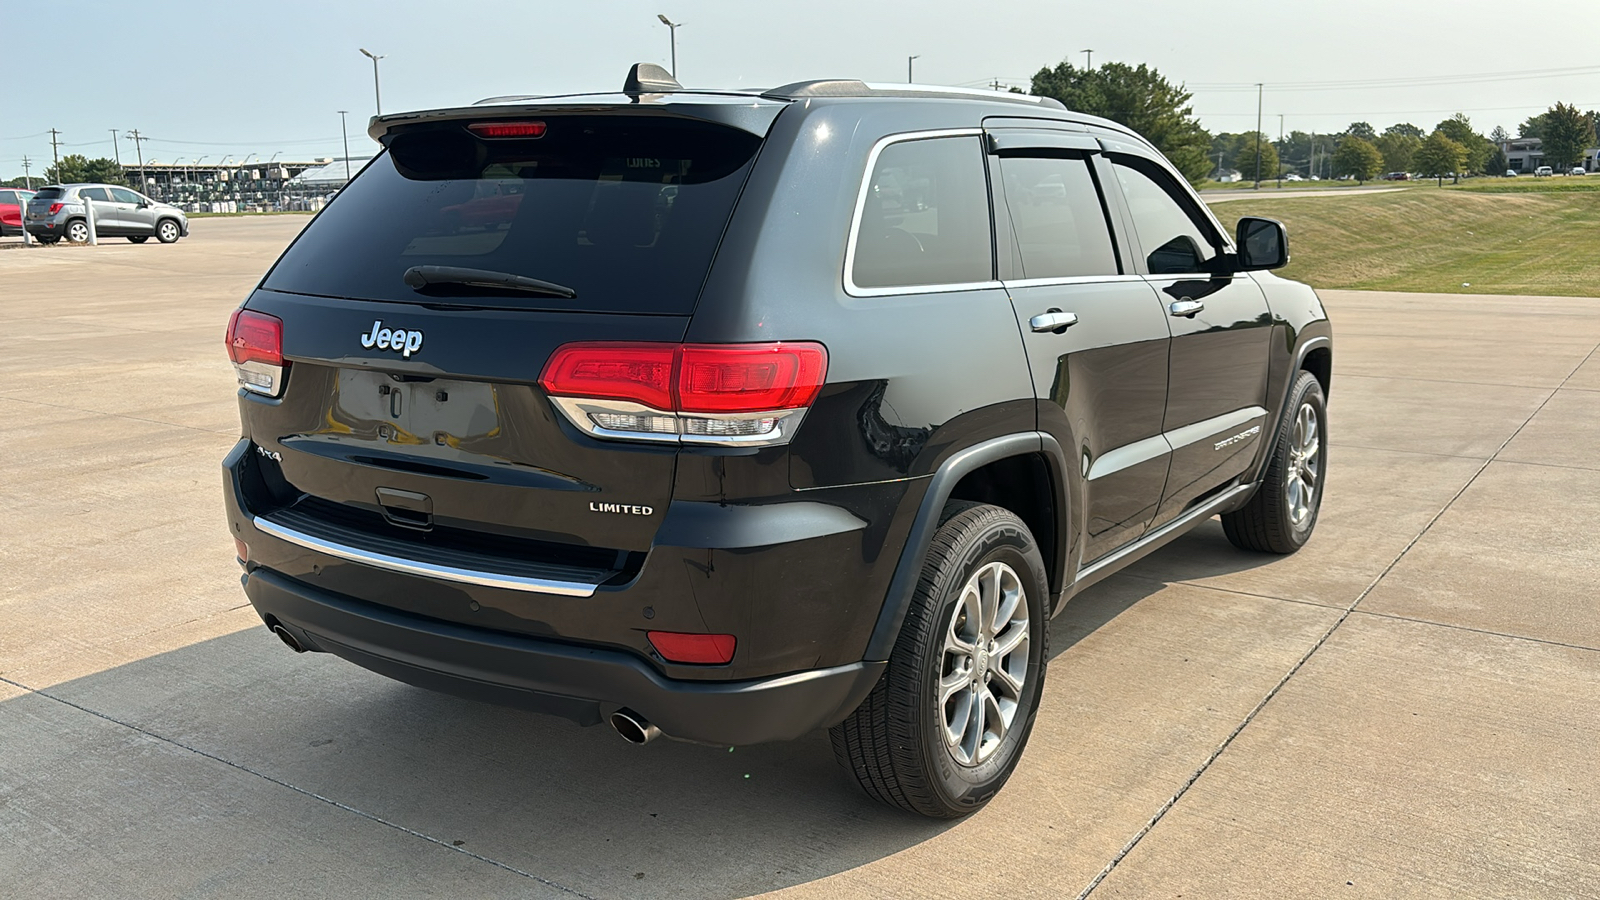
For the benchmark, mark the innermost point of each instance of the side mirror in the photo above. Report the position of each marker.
(1263, 244)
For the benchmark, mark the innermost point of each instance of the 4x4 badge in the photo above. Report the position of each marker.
(407, 342)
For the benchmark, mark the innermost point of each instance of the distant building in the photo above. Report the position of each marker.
(1523, 155)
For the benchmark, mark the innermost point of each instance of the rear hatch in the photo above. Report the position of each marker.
(411, 407)
(39, 205)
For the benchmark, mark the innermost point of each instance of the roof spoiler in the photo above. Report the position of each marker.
(649, 78)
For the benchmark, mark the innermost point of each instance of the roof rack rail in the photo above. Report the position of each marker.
(846, 87)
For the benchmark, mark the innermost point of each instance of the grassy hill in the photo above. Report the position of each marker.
(1507, 237)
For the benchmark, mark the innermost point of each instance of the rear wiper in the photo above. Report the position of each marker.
(424, 277)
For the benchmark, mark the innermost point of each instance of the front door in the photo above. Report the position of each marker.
(134, 211)
(107, 221)
(1216, 411)
(1095, 334)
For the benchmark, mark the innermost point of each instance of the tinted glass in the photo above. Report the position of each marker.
(1056, 213)
(1173, 240)
(123, 195)
(48, 194)
(926, 217)
(94, 193)
(8, 197)
(625, 211)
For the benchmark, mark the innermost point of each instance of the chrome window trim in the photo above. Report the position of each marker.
(426, 570)
(850, 286)
(1071, 279)
(1146, 449)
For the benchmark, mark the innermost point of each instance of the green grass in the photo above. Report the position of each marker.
(1469, 240)
(212, 215)
(1528, 185)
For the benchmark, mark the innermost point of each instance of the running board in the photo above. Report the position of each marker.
(1114, 561)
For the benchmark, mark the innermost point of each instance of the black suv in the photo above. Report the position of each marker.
(730, 416)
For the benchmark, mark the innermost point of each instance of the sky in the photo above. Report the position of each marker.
(207, 79)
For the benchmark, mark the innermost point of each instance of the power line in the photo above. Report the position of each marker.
(1404, 81)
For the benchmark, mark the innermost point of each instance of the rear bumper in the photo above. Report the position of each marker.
(579, 683)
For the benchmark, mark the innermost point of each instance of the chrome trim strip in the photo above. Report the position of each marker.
(1133, 454)
(1071, 279)
(1188, 434)
(427, 570)
(1154, 447)
(850, 286)
(1203, 511)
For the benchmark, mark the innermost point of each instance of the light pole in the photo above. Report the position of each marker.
(672, 29)
(1259, 87)
(377, 96)
(346, 134)
(1280, 144)
(1088, 59)
(114, 148)
(909, 79)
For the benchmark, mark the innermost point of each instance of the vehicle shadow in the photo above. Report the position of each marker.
(578, 808)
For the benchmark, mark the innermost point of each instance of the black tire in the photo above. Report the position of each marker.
(138, 238)
(46, 240)
(1266, 524)
(168, 231)
(77, 226)
(895, 743)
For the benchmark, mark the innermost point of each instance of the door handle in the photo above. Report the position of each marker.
(1055, 320)
(1187, 308)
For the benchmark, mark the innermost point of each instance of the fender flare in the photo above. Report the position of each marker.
(897, 601)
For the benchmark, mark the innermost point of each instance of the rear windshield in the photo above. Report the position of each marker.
(625, 211)
(48, 194)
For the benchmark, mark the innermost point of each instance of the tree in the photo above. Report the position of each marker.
(1397, 149)
(1499, 135)
(1139, 98)
(1361, 130)
(1247, 157)
(1458, 128)
(1357, 158)
(1440, 156)
(1532, 127)
(75, 167)
(1498, 162)
(1406, 129)
(1567, 133)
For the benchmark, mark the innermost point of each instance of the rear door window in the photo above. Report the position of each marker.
(94, 193)
(625, 211)
(1057, 215)
(9, 197)
(924, 219)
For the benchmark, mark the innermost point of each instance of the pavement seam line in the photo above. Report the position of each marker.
(299, 790)
(1489, 631)
(96, 412)
(1205, 765)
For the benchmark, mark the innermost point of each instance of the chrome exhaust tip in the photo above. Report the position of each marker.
(634, 728)
(288, 639)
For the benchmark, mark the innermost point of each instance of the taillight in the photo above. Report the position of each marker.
(55, 208)
(740, 394)
(700, 649)
(255, 344)
(507, 129)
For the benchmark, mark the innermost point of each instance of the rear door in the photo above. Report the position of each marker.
(1216, 411)
(1096, 334)
(422, 406)
(107, 218)
(10, 210)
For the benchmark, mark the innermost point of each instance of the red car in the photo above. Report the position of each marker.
(12, 200)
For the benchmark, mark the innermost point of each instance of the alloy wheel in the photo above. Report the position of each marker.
(984, 664)
(1305, 452)
(78, 233)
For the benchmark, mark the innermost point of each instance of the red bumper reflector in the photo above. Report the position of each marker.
(702, 649)
(241, 550)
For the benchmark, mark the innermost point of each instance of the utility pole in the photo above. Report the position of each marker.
(672, 28)
(909, 79)
(346, 134)
(1259, 87)
(55, 151)
(1088, 60)
(27, 174)
(1280, 144)
(138, 144)
(377, 96)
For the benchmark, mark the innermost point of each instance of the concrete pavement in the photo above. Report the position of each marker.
(1406, 708)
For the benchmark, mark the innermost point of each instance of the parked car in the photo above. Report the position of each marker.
(1511, 173)
(1575, 170)
(1396, 176)
(1292, 177)
(58, 212)
(1543, 172)
(791, 452)
(12, 200)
